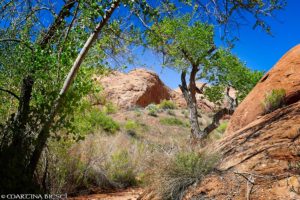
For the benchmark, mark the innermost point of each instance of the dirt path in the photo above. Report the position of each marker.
(129, 194)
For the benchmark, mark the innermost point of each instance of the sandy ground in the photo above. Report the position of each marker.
(129, 194)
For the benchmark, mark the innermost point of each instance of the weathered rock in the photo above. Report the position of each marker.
(139, 87)
(284, 75)
(260, 161)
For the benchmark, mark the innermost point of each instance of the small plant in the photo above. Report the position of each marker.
(171, 112)
(109, 108)
(131, 128)
(167, 105)
(92, 120)
(105, 122)
(152, 110)
(172, 121)
(183, 170)
(222, 127)
(131, 125)
(137, 112)
(121, 169)
(274, 100)
(185, 113)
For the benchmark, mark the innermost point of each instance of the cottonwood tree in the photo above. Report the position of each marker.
(35, 57)
(178, 41)
(189, 47)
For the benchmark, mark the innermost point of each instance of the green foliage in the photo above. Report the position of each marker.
(109, 108)
(175, 36)
(171, 112)
(131, 125)
(173, 121)
(183, 170)
(131, 128)
(186, 43)
(214, 93)
(167, 105)
(152, 110)
(222, 127)
(274, 100)
(121, 169)
(90, 120)
(226, 70)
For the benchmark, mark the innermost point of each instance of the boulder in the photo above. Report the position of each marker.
(284, 75)
(140, 87)
(259, 161)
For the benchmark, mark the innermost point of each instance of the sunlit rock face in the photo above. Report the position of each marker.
(284, 75)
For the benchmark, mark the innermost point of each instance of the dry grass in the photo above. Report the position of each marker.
(103, 161)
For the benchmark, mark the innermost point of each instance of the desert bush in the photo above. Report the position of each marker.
(222, 127)
(274, 100)
(172, 121)
(131, 127)
(121, 169)
(109, 108)
(183, 170)
(171, 112)
(152, 110)
(100, 119)
(90, 119)
(65, 173)
(167, 104)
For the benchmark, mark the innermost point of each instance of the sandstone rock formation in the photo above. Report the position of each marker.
(139, 87)
(142, 87)
(260, 161)
(284, 75)
(260, 153)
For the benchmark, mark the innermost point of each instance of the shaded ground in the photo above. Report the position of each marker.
(128, 194)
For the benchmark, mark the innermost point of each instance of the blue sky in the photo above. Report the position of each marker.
(259, 50)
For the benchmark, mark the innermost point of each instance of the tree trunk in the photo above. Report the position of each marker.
(189, 94)
(44, 133)
(15, 154)
(190, 98)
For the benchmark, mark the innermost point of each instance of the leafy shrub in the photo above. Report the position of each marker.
(183, 170)
(171, 112)
(94, 120)
(137, 112)
(214, 94)
(172, 121)
(121, 169)
(152, 110)
(131, 127)
(222, 127)
(274, 100)
(107, 123)
(185, 113)
(71, 174)
(109, 108)
(167, 104)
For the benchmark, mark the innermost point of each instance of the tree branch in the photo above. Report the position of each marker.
(16, 40)
(201, 89)
(65, 11)
(10, 92)
(44, 132)
(220, 114)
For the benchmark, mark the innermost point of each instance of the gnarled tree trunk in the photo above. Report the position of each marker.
(189, 93)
